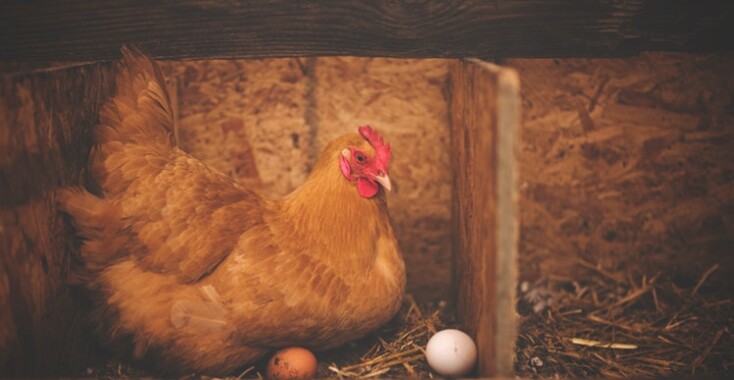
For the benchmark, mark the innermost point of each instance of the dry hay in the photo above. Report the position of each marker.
(618, 325)
(396, 350)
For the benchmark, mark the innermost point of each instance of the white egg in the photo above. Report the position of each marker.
(451, 353)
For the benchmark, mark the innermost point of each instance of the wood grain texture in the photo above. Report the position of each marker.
(78, 30)
(45, 123)
(484, 125)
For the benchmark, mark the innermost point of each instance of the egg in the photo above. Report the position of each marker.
(451, 353)
(292, 363)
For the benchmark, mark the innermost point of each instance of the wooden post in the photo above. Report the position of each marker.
(485, 117)
(45, 124)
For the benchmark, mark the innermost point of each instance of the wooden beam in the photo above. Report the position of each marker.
(80, 30)
(485, 119)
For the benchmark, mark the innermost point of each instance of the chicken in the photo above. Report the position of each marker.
(190, 271)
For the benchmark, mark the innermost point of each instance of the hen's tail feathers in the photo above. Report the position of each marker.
(140, 112)
(98, 224)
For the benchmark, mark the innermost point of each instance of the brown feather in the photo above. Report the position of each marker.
(205, 316)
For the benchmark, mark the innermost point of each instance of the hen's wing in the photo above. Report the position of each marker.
(179, 216)
(186, 217)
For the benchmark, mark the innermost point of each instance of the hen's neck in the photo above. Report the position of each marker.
(327, 215)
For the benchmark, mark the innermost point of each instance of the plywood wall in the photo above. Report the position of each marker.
(265, 121)
(628, 163)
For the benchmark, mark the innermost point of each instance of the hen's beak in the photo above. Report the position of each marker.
(384, 180)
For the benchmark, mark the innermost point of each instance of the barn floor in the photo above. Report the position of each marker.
(624, 325)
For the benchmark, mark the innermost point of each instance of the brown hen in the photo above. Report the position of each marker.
(198, 273)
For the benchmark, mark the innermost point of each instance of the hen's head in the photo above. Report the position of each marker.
(364, 162)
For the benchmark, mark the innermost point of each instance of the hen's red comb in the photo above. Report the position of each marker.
(382, 150)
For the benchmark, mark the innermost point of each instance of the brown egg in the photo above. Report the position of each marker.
(292, 363)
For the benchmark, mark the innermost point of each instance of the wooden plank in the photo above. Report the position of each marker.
(80, 30)
(45, 124)
(485, 109)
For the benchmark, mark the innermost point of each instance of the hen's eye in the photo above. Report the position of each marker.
(360, 157)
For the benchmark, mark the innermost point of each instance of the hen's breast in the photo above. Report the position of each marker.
(375, 297)
(307, 302)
